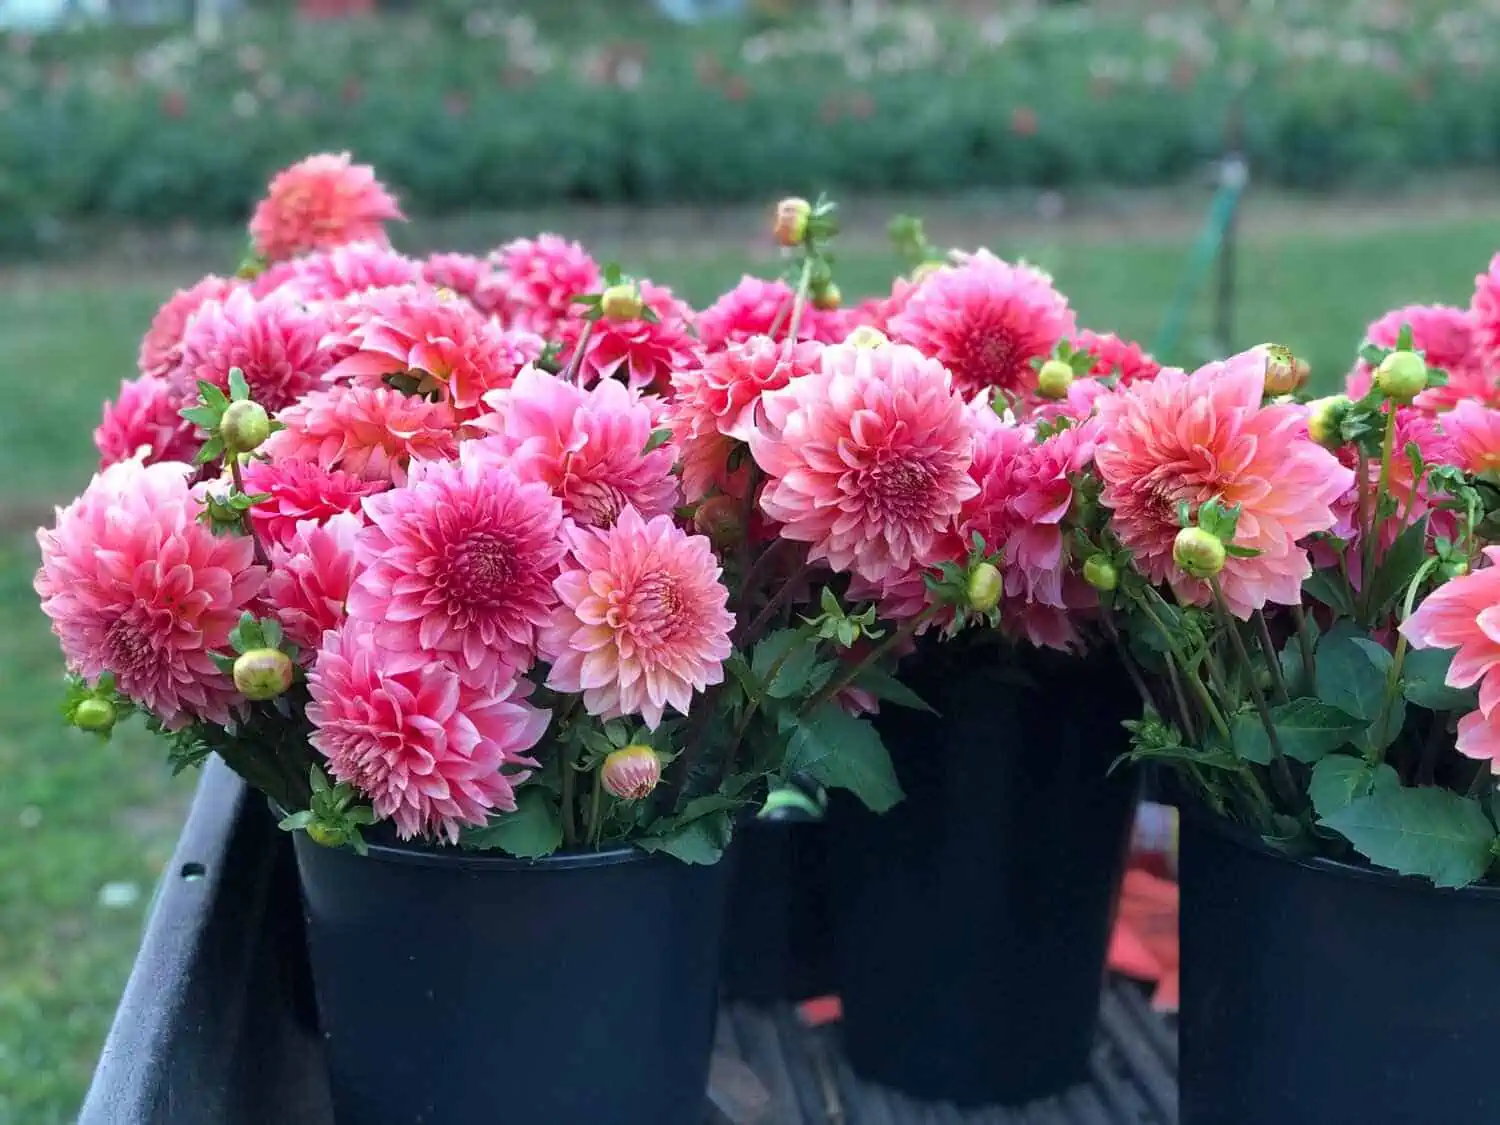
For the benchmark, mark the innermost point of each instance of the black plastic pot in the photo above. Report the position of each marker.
(973, 920)
(576, 990)
(1316, 991)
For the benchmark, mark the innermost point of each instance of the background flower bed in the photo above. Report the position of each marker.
(473, 107)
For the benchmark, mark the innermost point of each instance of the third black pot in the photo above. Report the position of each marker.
(1316, 991)
(973, 920)
(451, 987)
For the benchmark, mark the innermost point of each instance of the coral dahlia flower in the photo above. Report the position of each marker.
(276, 342)
(161, 347)
(144, 417)
(868, 459)
(342, 271)
(432, 751)
(643, 623)
(1116, 357)
(461, 562)
(1474, 432)
(532, 282)
(374, 433)
(1446, 338)
(299, 491)
(1191, 438)
(755, 306)
(136, 586)
(641, 352)
(725, 390)
(311, 577)
(321, 202)
(461, 273)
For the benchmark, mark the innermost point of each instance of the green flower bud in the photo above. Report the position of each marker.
(1454, 568)
(827, 297)
(621, 302)
(1325, 416)
(790, 227)
(1100, 573)
(1401, 376)
(94, 714)
(1054, 379)
(263, 673)
(245, 426)
(985, 587)
(1198, 552)
(867, 337)
(1284, 371)
(324, 836)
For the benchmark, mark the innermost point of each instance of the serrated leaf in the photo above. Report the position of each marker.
(295, 821)
(882, 685)
(212, 396)
(1348, 675)
(534, 830)
(212, 450)
(1398, 567)
(239, 390)
(1341, 778)
(1372, 354)
(205, 417)
(1424, 675)
(1428, 831)
(1329, 587)
(793, 656)
(841, 752)
(701, 841)
(1306, 728)
(659, 437)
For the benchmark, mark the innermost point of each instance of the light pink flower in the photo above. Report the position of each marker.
(300, 491)
(868, 459)
(986, 320)
(323, 201)
(755, 306)
(136, 586)
(161, 348)
(461, 562)
(1190, 438)
(432, 751)
(532, 282)
(339, 272)
(643, 624)
(587, 446)
(1446, 338)
(374, 433)
(722, 394)
(145, 416)
(641, 352)
(276, 342)
(310, 579)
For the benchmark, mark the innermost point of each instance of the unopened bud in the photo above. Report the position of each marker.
(1454, 568)
(1325, 419)
(263, 673)
(721, 519)
(867, 337)
(827, 297)
(1199, 552)
(1284, 372)
(1054, 379)
(244, 426)
(790, 227)
(94, 714)
(1401, 376)
(1100, 573)
(621, 302)
(324, 835)
(985, 587)
(632, 773)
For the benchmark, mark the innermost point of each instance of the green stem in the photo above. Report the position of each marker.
(1393, 674)
(1483, 779)
(1194, 680)
(237, 475)
(778, 601)
(575, 361)
(799, 302)
(1268, 648)
(1372, 530)
(569, 801)
(1366, 535)
(1305, 643)
(851, 673)
(595, 824)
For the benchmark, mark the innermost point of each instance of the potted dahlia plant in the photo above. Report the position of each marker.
(511, 583)
(1302, 593)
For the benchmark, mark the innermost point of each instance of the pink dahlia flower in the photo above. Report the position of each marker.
(878, 312)
(323, 201)
(1446, 337)
(1115, 357)
(723, 393)
(276, 342)
(643, 623)
(986, 320)
(300, 491)
(1474, 431)
(432, 751)
(461, 273)
(144, 417)
(1190, 438)
(374, 433)
(1462, 614)
(339, 272)
(532, 282)
(587, 446)
(461, 561)
(1484, 312)
(310, 579)
(161, 348)
(641, 352)
(868, 459)
(136, 586)
(754, 307)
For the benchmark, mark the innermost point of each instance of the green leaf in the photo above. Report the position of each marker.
(239, 390)
(1341, 778)
(842, 752)
(212, 396)
(205, 417)
(295, 821)
(1306, 728)
(658, 438)
(532, 831)
(1348, 675)
(882, 685)
(701, 841)
(271, 629)
(1398, 567)
(1431, 832)
(1329, 587)
(796, 653)
(212, 450)
(1424, 674)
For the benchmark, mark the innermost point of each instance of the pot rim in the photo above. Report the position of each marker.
(1193, 812)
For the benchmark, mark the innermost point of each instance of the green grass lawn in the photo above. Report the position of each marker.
(77, 816)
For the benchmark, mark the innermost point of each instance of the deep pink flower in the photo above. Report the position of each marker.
(641, 352)
(311, 577)
(161, 348)
(986, 320)
(461, 562)
(868, 459)
(878, 312)
(642, 626)
(532, 282)
(145, 416)
(755, 306)
(339, 272)
(1190, 438)
(432, 751)
(300, 491)
(374, 433)
(1116, 357)
(323, 201)
(276, 342)
(1446, 337)
(136, 586)
(1474, 431)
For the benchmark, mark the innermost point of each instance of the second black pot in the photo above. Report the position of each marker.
(973, 920)
(575, 990)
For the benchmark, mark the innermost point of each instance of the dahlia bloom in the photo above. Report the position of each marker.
(1484, 311)
(643, 624)
(144, 417)
(754, 307)
(878, 312)
(587, 446)
(1461, 614)
(642, 353)
(432, 751)
(136, 586)
(339, 272)
(723, 392)
(868, 459)
(1115, 357)
(532, 282)
(1446, 337)
(161, 347)
(299, 491)
(321, 202)
(1474, 431)
(311, 577)
(460, 562)
(276, 342)
(1190, 438)
(374, 433)
(986, 320)
(460, 273)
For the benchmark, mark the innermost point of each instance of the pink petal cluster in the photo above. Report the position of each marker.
(145, 417)
(339, 272)
(587, 446)
(321, 202)
(754, 307)
(461, 562)
(460, 273)
(642, 624)
(532, 282)
(1116, 357)
(1474, 431)
(1192, 438)
(432, 751)
(1484, 313)
(311, 577)
(641, 352)
(276, 342)
(1446, 338)
(1464, 614)
(867, 459)
(374, 433)
(986, 320)
(136, 586)
(878, 312)
(299, 491)
(722, 393)
(161, 347)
